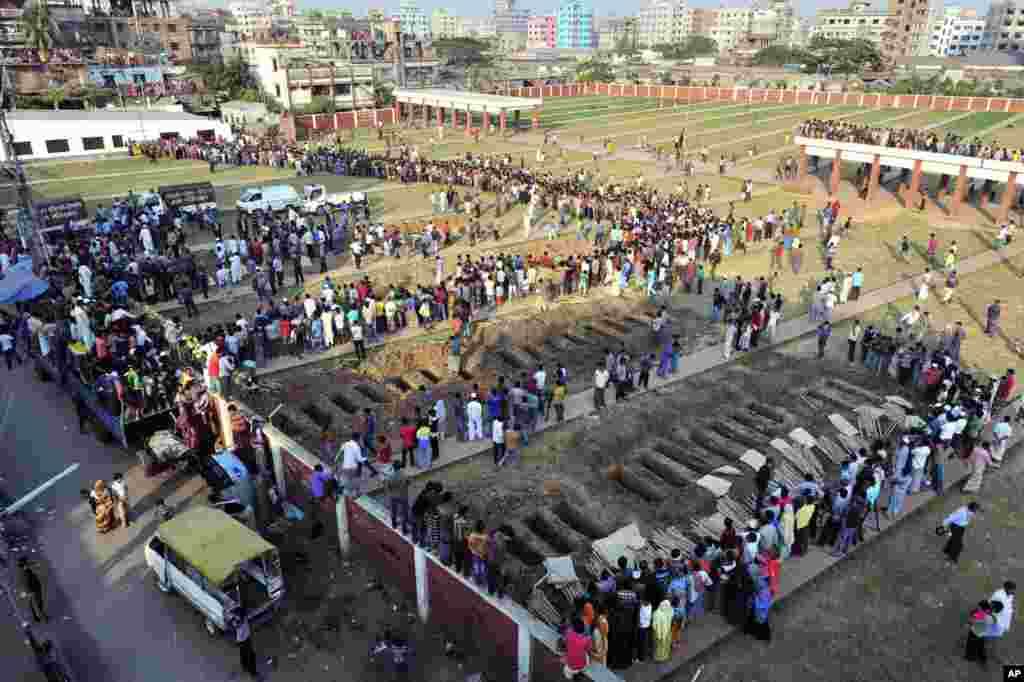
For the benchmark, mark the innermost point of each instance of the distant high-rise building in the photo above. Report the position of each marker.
(413, 19)
(664, 22)
(510, 19)
(1004, 26)
(444, 24)
(959, 32)
(575, 24)
(542, 32)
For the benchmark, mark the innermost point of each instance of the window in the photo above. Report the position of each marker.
(23, 149)
(91, 144)
(172, 28)
(175, 46)
(57, 146)
(277, 89)
(117, 141)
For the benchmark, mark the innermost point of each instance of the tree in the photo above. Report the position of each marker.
(778, 55)
(233, 77)
(383, 96)
(90, 93)
(624, 46)
(55, 96)
(40, 29)
(319, 105)
(836, 55)
(694, 46)
(594, 71)
(462, 51)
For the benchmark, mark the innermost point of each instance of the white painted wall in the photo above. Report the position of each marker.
(37, 127)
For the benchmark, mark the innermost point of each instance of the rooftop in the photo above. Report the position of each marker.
(78, 115)
(459, 99)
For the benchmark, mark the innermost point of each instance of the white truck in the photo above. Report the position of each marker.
(316, 196)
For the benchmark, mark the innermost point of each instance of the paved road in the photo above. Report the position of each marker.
(104, 605)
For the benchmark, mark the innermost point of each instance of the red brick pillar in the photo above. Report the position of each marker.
(487, 122)
(426, 115)
(959, 192)
(398, 113)
(1009, 194)
(502, 120)
(837, 168)
(876, 171)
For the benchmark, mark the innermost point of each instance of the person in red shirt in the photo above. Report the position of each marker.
(1007, 386)
(577, 648)
(408, 434)
(383, 450)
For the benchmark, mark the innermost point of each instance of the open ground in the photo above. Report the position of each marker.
(640, 461)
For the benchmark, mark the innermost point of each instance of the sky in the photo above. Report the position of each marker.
(805, 8)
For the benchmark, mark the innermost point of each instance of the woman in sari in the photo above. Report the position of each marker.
(105, 519)
(661, 623)
(980, 458)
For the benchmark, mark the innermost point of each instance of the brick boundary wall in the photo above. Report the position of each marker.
(773, 96)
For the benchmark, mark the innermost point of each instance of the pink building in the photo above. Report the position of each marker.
(541, 31)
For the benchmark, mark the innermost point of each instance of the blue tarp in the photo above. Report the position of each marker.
(20, 284)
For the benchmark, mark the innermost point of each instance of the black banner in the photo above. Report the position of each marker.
(176, 196)
(58, 212)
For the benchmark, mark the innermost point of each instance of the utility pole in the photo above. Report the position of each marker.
(401, 57)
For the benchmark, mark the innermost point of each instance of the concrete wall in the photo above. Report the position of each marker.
(772, 96)
(517, 646)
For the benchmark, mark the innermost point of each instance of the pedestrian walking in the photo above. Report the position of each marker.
(956, 525)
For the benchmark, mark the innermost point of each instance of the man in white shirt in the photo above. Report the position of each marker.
(474, 418)
(498, 438)
(1001, 433)
(350, 462)
(7, 348)
(918, 460)
(310, 305)
(1005, 595)
(601, 378)
(540, 376)
(120, 492)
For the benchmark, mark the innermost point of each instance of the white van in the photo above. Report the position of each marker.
(271, 197)
(218, 565)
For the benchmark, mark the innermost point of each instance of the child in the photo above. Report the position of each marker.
(678, 621)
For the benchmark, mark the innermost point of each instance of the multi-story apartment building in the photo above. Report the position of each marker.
(859, 20)
(909, 30)
(664, 21)
(731, 27)
(1004, 26)
(959, 33)
(611, 30)
(508, 18)
(445, 24)
(575, 24)
(542, 31)
(413, 19)
(702, 21)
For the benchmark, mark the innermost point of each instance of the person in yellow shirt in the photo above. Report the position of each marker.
(558, 400)
(804, 514)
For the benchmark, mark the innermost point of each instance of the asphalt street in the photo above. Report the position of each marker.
(112, 621)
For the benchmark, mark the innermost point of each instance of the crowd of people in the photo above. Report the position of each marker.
(908, 138)
(641, 610)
